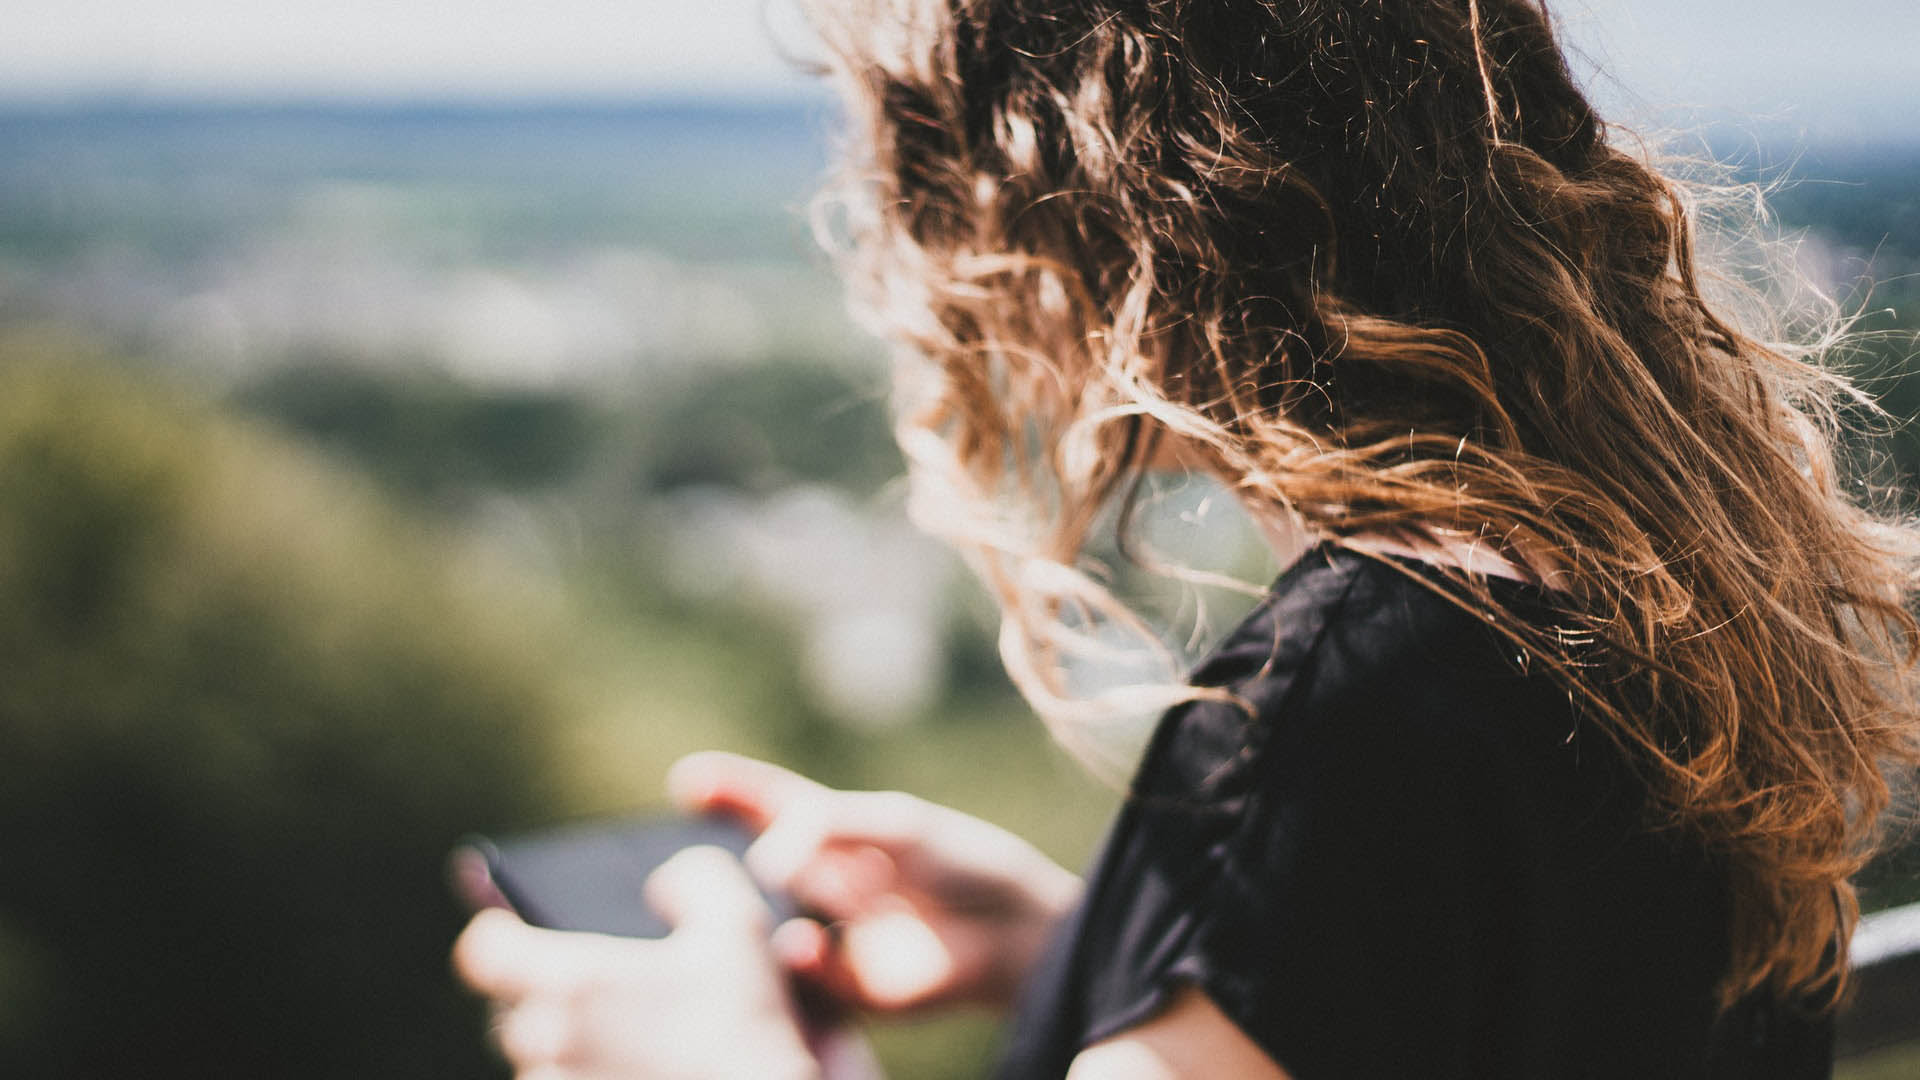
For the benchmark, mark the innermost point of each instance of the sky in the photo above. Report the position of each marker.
(1781, 62)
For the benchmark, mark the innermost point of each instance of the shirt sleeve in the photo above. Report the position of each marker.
(1342, 885)
(1399, 851)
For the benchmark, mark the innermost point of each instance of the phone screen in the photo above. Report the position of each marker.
(589, 876)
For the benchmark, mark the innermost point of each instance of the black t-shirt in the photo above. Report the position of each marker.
(1412, 860)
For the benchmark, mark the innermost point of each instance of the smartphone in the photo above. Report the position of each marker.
(588, 876)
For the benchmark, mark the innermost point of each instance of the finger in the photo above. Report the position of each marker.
(790, 843)
(489, 954)
(810, 951)
(536, 1032)
(825, 890)
(889, 821)
(800, 945)
(472, 880)
(892, 960)
(705, 887)
(845, 1054)
(713, 781)
(502, 957)
(841, 883)
(892, 821)
(888, 962)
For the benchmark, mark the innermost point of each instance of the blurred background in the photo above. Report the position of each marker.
(417, 420)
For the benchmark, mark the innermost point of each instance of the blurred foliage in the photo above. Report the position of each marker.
(248, 707)
(245, 712)
(425, 433)
(749, 427)
(768, 426)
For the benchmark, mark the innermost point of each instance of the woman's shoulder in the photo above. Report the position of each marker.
(1387, 819)
(1353, 652)
(1391, 611)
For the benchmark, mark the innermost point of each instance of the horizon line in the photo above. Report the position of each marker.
(1849, 126)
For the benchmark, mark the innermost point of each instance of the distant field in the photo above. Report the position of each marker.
(363, 230)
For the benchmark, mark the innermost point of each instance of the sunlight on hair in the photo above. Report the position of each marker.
(1451, 309)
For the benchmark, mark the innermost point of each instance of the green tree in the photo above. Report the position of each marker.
(244, 712)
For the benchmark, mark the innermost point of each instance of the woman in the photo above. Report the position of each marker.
(1553, 749)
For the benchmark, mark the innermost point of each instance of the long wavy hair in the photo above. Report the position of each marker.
(1378, 267)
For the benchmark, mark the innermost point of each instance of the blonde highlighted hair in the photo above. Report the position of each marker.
(1378, 267)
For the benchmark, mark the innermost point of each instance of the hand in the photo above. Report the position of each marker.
(704, 1003)
(920, 905)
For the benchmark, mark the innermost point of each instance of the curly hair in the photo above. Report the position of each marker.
(1378, 266)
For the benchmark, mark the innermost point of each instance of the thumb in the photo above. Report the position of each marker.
(502, 957)
(705, 888)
